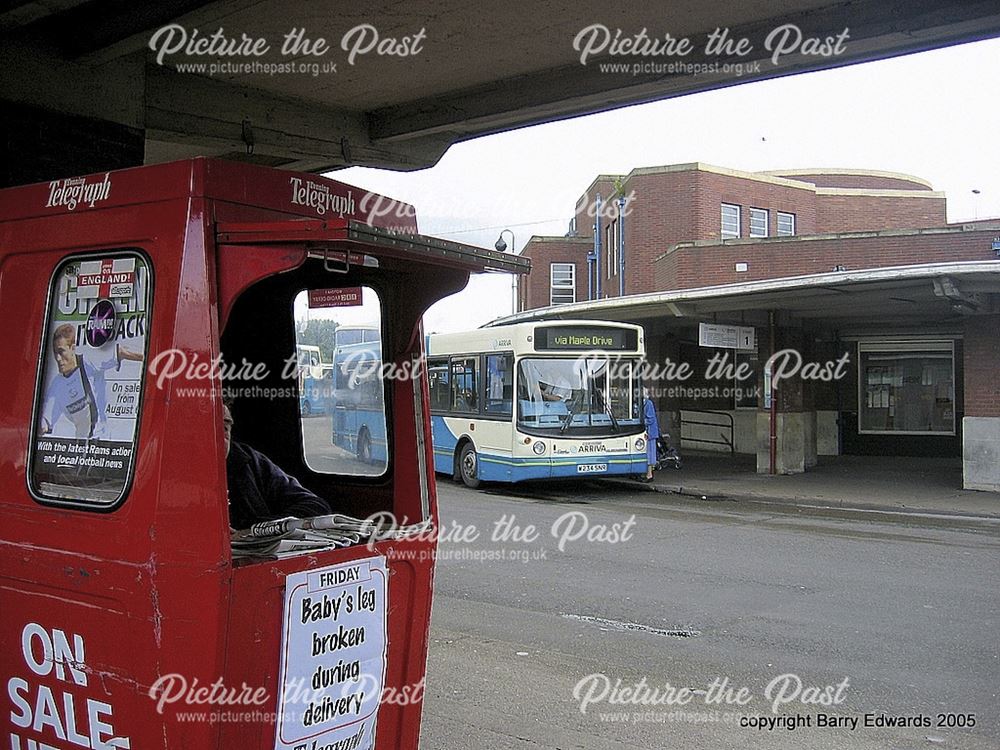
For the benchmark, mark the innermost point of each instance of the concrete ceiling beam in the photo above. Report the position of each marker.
(191, 109)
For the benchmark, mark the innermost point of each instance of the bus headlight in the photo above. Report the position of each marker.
(640, 445)
(538, 447)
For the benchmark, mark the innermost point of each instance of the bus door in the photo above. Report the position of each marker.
(495, 434)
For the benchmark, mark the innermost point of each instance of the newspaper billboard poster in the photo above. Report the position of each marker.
(90, 385)
(333, 656)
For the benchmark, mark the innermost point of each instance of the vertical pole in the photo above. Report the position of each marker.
(513, 276)
(773, 431)
(840, 402)
(590, 276)
(597, 248)
(513, 294)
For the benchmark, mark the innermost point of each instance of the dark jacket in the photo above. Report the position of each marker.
(260, 491)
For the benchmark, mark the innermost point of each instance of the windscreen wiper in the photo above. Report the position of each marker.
(569, 412)
(607, 410)
(569, 418)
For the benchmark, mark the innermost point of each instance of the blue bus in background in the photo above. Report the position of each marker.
(346, 335)
(315, 377)
(358, 403)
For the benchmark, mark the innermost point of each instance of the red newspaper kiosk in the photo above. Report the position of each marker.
(130, 616)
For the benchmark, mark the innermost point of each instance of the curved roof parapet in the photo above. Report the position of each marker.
(864, 179)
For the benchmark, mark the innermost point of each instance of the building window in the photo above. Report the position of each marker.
(609, 245)
(786, 224)
(906, 388)
(758, 222)
(730, 221)
(612, 249)
(562, 283)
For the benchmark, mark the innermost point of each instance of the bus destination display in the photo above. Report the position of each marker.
(557, 338)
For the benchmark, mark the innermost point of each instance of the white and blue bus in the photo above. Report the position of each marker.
(537, 400)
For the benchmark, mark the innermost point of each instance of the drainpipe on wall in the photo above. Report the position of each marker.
(840, 401)
(597, 247)
(773, 431)
(590, 271)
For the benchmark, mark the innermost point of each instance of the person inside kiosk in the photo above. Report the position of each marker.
(259, 490)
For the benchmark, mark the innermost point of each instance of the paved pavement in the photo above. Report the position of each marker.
(912, 485)
(903, 607)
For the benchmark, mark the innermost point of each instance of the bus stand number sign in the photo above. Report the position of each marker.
(349, 296)
(555, 338)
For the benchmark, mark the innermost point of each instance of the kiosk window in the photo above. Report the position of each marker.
(907, 388)
(341, 383)
(90, 380)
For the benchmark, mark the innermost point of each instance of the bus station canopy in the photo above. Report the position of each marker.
(931, 297)
(398, 83)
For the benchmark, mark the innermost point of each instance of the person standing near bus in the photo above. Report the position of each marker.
(652, 433)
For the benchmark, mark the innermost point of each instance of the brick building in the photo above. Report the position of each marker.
(826, 262)
(689, 225)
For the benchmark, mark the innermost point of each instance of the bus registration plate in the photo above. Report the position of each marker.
(591, 468)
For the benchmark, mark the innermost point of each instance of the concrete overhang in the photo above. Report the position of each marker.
(921, 297)
(472, 68)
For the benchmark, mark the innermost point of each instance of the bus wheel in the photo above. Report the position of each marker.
(364, 448)
(306, 409)
(468, 466)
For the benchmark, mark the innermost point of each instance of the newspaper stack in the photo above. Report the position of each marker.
(290, 536)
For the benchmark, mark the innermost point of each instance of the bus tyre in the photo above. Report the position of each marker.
(468, 466)
(306, 409)
(364, 448)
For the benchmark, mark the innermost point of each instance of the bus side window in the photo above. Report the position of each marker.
(499, 384)
(437, 375)
(465, 384)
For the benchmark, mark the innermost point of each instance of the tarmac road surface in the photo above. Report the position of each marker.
(844, 616)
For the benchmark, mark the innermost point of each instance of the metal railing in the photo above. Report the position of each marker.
(729, 443)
